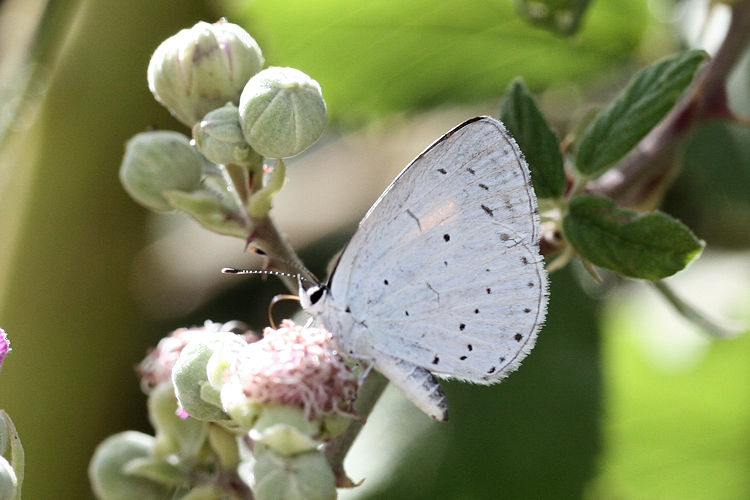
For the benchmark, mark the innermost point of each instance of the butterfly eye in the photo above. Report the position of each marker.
(316, 295)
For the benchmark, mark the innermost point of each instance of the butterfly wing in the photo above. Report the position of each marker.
(444, 272)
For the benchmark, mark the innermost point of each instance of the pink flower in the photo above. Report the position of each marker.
(294, 365)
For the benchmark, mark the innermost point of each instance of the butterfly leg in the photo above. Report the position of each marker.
(418, 385)
(366, 363)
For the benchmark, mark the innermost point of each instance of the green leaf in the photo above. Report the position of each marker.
(649, 246)
(406, 55)
(536, 139)
(559, 16)
(648, 97)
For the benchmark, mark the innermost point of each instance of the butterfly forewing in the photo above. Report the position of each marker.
(444, 271)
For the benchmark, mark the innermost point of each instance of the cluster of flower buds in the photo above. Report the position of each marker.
(210, 78)
(235, 411)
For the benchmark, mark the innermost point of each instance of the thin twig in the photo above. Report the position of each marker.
(693, 315)
(651, 165)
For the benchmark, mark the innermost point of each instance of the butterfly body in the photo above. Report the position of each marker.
(443, 275)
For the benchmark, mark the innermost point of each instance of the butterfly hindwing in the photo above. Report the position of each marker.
(444, 271)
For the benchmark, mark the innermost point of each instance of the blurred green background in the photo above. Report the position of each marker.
(620, 399)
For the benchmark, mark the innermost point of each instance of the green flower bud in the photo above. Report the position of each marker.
(183, 436)
(194, 392)
(282, 112)
(219, 137)
(286, 430)
(224, 444)
(106, 470)
(11, 451)
(202, 68)
(8, 480)
(159, 161)
(306, 476)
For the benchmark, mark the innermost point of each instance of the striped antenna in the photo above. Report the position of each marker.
(233, 270)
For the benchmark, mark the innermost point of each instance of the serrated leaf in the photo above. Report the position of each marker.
(560, 16)
(645, 101)
(536, 139)
(649, 246)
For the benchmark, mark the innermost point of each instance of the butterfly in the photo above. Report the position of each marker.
(443, 276)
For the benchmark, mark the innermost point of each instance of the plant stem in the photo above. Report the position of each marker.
(336, 449)
(644, 174)
(268, 237)
(284, 258)
(693, 315)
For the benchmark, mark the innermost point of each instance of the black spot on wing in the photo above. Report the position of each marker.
(488, 210)
(484, 186)
(462, 326)
(518, 337)
(442, 171)
(436, 360)
(447, 237)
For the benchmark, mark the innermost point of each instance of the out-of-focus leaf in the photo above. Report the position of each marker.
(378, 57)
(536, 139)
(560, 16)
(651, 93)
(649, 246)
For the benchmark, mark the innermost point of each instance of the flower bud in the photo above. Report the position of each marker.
(159, 161)
(202, 68)
(156, 367)
(191, 381)
(174, 435)
(8, 480)
(307, 476)
(11, 452)
(286, 430)
(219, 137)
(282, 112)
(106, 471)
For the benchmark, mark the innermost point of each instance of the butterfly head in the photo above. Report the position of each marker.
(311, 296)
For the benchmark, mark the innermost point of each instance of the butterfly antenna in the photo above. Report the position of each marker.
(276, 298)
(234, 270)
